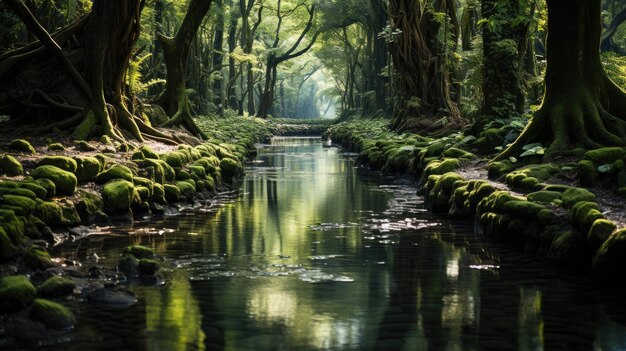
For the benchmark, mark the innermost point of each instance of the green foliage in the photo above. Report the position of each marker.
(615, 67)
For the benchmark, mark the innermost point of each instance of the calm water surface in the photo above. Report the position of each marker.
(316, 254)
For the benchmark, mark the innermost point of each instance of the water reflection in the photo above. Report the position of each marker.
(315, 255)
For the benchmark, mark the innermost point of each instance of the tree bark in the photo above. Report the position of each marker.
(174, 99)
(582, 107)
(218, 58)
(606, 43)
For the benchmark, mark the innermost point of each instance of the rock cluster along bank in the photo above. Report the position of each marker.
(522, 208)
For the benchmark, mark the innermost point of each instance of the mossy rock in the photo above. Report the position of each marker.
(610, 260)
(90, 207)
(158, 194)
(56, 147)
(138, 155)
(25, 205)
(143, 192)
(36, 257)
(70, 213)
(572, 196)
(9, 184)
(587, 173)
(569, 248)
(62, 162)
(144, 182)
(541, 172)
(139, 252)
(544, 196)
(10, 166)
(118, 196)
(454, 152)
(16, 293)
(57, 286)
(175, 159)
(65, 182)
(161, 170)
(87, 169)
(182, 174)
(209, 183)
(115, 172)
(52, 314)
(527, 210)
(13, 226)
(36, 188)
(148, 267)
(187, 190)
(148, 152)
(198, 171)
(51, 189)
(600, 231)
(22, 145)
(51, 214)
(231, 169)
(7, 249)
(82, 145)
(123, 147)
(606, 155)
(172, 193)
(442, 167)
(584, 214)
(18, 192)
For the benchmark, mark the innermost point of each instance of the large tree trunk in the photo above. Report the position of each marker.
(423, 88)
(218, 58)
(232, 45)
(582, 107)
(174, 99)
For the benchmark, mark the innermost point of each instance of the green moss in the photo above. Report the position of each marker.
(137, 155)
(606, 155)
(65, 182)
(161, 170)
(70, 213)
(584, 214)
(187, 190)
(56, 147)
(51, 214)
(172, 193)
(9, 184)
(541, 172)
(209, 183)
(148, 152)
(609, 261)
(148, 267)
(175, 159)
(82, 145)
(51, 314)
(139, 252)
(198, 171)
(478, 190)
(62, 162)
(37, 189)
(106, 140)
(26, 205)
(158, 194)
(89, 206)
(36, 257)
(22, 145)
(587, 173)
(115, 172)
(530, 184)
(123, 147)
(441, 167)
(10, 166)
(544, 196)
(144, 182)
(18, 192)
(574, 195)
(7, 249)
(458, 153)
(600, 231)
(182, 174)
(51, 189)
(526, 210)
(87, 169)
(57, 286)
(16, 292)
(143, 192)
(13, 226)
(118, 196)
(230, 169)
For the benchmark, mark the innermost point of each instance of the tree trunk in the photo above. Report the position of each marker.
(582, 107)
(174, 99)
(232, 45)
(218, 58)
(379, 54)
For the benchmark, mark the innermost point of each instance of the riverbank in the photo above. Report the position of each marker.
(541, 208)
(53, 191)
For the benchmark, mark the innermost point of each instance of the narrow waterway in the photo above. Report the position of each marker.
(316, 254)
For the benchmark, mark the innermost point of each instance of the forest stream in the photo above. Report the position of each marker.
(318, 254)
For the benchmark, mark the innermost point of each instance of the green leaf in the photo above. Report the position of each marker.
(531, 146)
(513, 159)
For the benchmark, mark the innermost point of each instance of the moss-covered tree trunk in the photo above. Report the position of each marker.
(174, 99)
(582, 107)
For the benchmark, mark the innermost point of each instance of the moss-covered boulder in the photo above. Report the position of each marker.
(52, 314)
(63, 162)
(158, 194)
(87, 168)
(10, 166)
(51, 189)
(90, 207)
(115, 172)
(148, 152)
(22, 145)
(584, 214)
(182, 174)
(139, 252)
(600, 231)
(175, 159)
(544, 196)
(65, 182)
(51, 214)
(187, 190)
(162, 172)
(144, 182)
(499, 168)
(144, 193)
(18, 192)
(82, 145)
(231, 169)
(172, 193)
(137, 156)
(36, 257)
(148, 267)
(56, 147)
(57, 286)
(36, 188)
(118, 196)
(23, 206)
(13, 226)
(444, 166)
(16, 292)
(7, 249)
(610, 260)
(606, 155)
(569, 248)
(573, 196)
(587, 173)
